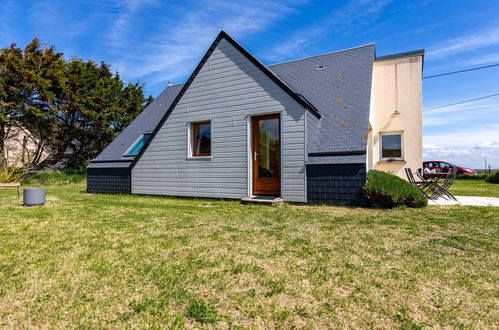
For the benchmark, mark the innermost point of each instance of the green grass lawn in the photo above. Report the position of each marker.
(114, 261)
(475, 188)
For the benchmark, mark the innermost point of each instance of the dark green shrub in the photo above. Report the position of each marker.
(385, 190)
(493, 178)
(480, 176)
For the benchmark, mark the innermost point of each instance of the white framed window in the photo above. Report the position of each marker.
(391, 146)
(200, 139)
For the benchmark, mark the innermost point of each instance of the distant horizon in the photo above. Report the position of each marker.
(153, 41)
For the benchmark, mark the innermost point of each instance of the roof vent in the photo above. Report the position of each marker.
(321, 67)
(170, 83)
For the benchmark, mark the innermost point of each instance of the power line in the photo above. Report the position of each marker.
(461, 71)
(466, 101)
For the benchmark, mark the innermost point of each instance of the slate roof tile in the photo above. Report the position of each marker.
(143, 123)
(339, 85)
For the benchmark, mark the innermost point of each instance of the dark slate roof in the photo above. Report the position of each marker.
(146, 122)
(339, 85)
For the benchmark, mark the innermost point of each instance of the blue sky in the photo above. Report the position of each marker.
(153, 41)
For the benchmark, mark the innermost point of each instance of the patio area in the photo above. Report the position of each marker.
(466, 201)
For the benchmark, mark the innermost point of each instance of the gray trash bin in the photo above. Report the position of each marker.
(34, 196)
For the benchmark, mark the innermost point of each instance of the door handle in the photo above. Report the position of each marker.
(254, 155)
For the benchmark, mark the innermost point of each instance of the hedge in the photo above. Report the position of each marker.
(385, 190)
(493, 178)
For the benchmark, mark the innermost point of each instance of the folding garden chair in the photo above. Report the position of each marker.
(439, 189)
(447, 182)
(422, 185)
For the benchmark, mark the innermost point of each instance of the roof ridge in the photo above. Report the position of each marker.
(174, 85)
(164, 91)
(337, 51)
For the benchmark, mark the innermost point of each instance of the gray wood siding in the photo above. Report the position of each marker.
(313, 129)
(227, 90)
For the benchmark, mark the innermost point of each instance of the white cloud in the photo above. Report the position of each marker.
(467, 147)
(164, 47)
(176, 46)
(473, 157)
(353, 16)
(484, 59)
(123, 23)
(485, 109)
(455, 135)
(487, 37)
(465, 137)
(488, 145)
(439, 152)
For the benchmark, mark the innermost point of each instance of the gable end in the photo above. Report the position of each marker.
(300, 99)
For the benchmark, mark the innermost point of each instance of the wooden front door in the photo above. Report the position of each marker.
(266, 155)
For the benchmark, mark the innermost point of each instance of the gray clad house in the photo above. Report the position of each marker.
(238, 128)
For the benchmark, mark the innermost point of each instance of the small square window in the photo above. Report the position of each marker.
(201, 139)
(391, 146)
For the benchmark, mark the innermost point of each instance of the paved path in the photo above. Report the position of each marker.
(467, 200)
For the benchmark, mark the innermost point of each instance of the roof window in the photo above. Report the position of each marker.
(138, 145)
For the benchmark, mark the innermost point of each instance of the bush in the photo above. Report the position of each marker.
(385, 190)
(11, 173)
(480, 176)
(493, 178)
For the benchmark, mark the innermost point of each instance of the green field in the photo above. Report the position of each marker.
(475, 188)
(115, 261)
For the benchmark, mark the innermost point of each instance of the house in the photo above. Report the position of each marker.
(21, 147)
(304, 130)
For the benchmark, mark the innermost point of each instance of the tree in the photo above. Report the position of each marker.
(92, 108)
(72, 105)
(29, 80)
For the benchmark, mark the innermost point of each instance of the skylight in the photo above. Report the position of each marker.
(138, 145)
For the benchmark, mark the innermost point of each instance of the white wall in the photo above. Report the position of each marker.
(397, 85)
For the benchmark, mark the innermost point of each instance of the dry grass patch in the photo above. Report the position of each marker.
(138, 261)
